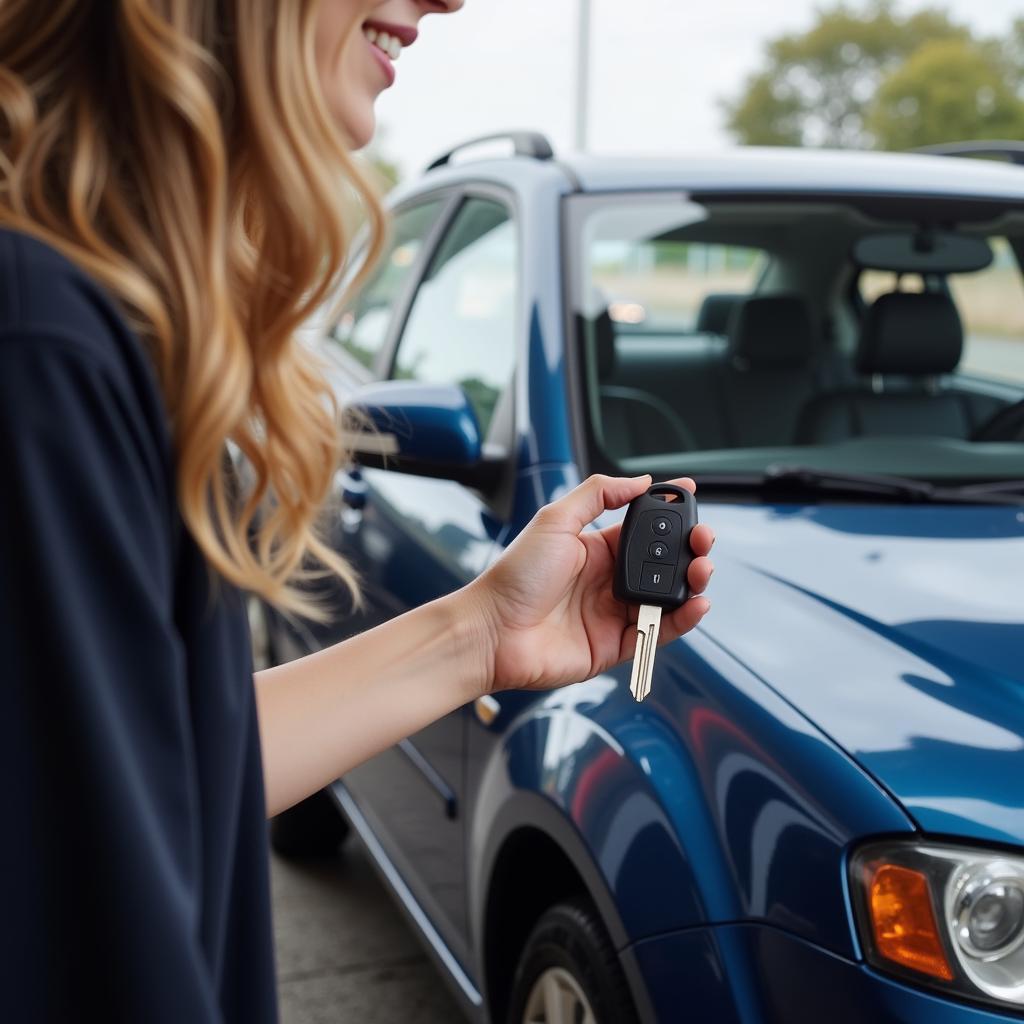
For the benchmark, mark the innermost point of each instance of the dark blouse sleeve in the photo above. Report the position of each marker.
(100, 864)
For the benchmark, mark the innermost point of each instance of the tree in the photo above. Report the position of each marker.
(948, 89)
(819, 88)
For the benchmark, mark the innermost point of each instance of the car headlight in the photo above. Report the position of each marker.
(947, 916)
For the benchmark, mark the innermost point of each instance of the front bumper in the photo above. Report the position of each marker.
(748, 973)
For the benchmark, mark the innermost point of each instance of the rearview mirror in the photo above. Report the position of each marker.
(412, 427)
(922, 252)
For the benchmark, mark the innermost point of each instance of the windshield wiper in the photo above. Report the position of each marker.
(994, 487)
(789, 480)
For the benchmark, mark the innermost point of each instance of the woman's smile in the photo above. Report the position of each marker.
(386, 42)
(357, 44)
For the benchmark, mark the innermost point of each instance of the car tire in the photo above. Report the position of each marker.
(312, 828)
(569, 956)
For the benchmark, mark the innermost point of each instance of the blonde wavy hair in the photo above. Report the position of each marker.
(183, 154)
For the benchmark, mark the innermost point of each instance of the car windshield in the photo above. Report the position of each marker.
(865, 335)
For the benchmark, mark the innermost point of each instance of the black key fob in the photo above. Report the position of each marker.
(654, 548)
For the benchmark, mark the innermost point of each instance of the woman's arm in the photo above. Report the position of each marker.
(543, 615)
(323, 714)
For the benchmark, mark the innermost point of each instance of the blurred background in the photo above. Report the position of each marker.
(650, 77)
(668, 77)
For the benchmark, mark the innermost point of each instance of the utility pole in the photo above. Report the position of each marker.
(583, 76)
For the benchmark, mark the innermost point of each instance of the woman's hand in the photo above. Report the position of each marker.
(541, 616)
(547, 603)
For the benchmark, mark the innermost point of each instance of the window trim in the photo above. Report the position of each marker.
(383, 364)
(359, 371)
(460, 195)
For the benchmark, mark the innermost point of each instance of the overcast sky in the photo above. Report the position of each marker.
(658, 68)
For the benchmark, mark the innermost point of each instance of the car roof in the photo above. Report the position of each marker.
(756, 170)
(804, 170)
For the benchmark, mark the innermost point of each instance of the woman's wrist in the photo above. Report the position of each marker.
(474, 631)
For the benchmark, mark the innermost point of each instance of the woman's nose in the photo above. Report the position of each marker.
(442, 6)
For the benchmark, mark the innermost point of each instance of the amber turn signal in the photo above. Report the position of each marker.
(904, 922)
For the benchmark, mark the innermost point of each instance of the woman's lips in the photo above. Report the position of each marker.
(384, 61)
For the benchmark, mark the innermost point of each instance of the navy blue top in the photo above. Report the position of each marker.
(133, 855)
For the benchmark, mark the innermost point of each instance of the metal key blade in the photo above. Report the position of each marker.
(648, 625)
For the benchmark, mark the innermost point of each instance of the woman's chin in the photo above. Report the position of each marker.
(357, 129)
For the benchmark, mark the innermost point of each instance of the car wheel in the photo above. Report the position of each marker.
(312, 828)
(569, 972)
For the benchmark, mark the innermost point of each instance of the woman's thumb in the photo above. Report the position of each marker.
(598, 493)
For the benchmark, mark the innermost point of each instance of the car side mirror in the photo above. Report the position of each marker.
(426, 429)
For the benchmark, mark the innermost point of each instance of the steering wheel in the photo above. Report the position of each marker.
(1006, 425)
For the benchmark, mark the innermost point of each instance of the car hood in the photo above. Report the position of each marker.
(899, 631)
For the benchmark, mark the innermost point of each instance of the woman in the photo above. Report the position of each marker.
(170, 213)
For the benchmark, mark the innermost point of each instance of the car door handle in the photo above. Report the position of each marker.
(487, 709)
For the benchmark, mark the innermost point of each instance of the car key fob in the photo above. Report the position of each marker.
(654, 548)
(651, 568)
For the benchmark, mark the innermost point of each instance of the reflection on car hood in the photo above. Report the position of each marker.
(899, 631)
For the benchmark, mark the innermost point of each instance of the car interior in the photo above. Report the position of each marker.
(846, 347)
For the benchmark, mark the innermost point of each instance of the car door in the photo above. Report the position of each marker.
(356, 350)
(420, 537)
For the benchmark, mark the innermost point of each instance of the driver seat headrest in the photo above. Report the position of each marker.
(918, 334)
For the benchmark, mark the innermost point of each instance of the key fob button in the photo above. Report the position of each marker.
(662, 526)
(659, 550)
(656, 579)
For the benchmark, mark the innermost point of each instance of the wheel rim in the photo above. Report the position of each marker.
(556, 998)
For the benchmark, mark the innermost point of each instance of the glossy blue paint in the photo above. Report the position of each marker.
(861, 675)
(694, 805)
(546, 439)
(542, 404)
(743, 973)
(912, 636)
(432, 423)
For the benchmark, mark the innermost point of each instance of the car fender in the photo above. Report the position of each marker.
(713, 801)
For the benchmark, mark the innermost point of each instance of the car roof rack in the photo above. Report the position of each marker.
(525, 143)
(1009, 150)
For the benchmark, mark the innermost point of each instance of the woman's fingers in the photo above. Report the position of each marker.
(702, 539)
(683, 619)
(597, 494)
(686, 482)
(699, 574)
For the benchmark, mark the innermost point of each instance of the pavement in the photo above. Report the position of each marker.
(344, 951)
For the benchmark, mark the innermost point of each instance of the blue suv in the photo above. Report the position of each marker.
(818, 814)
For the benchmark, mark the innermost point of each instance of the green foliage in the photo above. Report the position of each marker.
(948, 89)
(869, 76)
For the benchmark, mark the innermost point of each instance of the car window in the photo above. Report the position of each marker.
(651, 264)
(656, 285)
(363, 327)
(461, 328)
(991, 304)
(709, 341)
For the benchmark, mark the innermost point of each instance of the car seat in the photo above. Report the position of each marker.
(631, 421)
(915, 337)
(768, 376)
